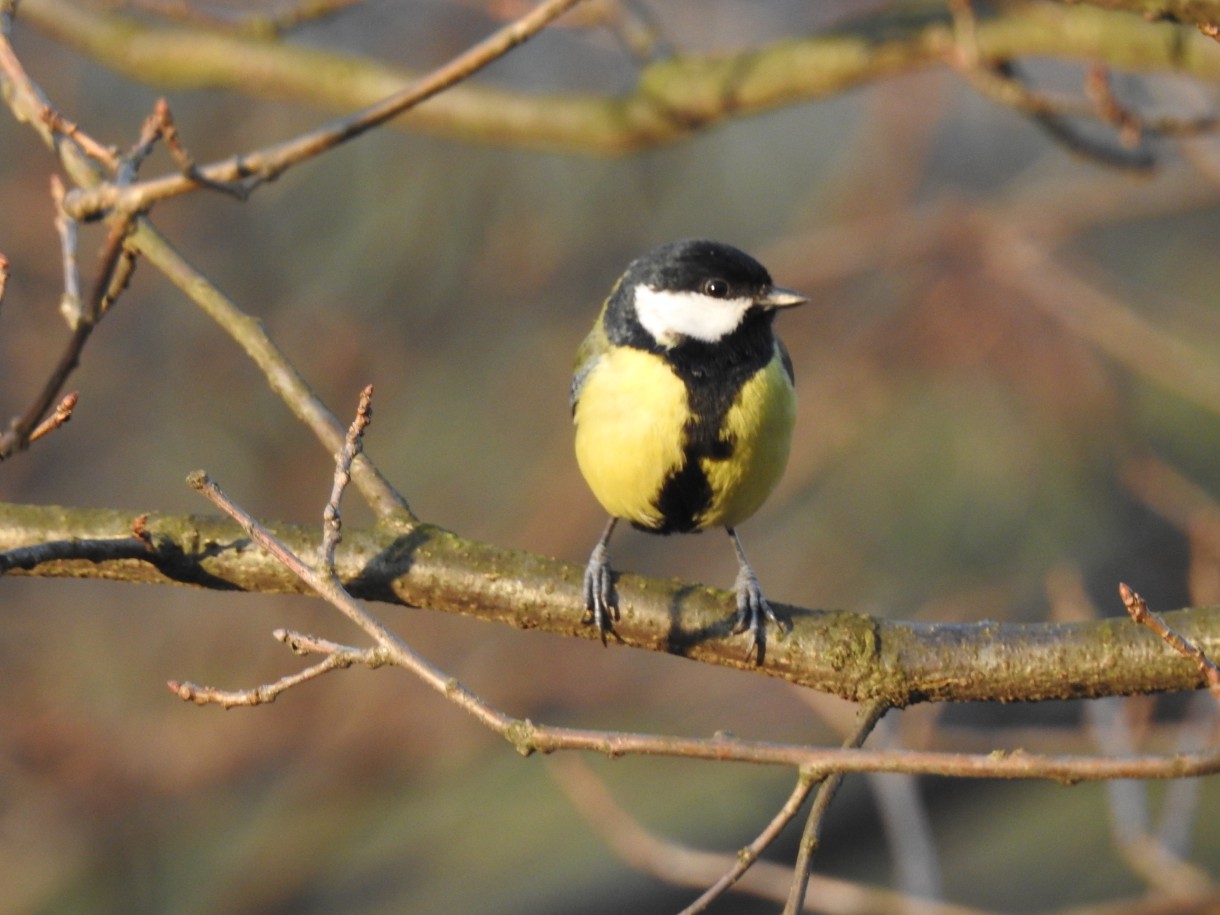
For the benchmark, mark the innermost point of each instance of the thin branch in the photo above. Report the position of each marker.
(70, 304)
(127, 167)
(1138, 608)
(281, 376)
(121, 270)
(57, 122)
(1128, 125)
(685, 866)
(252, 169)
(17, 437)
(747, 856)
(161, 125)
(999, 79)
(332, 525)
(339, 659)
(866, 719)
(328, 587)
(62, 413)
(28, 102)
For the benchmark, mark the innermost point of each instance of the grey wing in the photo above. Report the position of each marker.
(587, 357)
(785, 358)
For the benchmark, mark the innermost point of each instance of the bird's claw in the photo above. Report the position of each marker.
(601, 603)
(753, 614)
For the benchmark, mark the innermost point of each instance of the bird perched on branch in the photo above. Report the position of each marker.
(683, 404)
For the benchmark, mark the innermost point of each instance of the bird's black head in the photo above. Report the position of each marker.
(694, 290)
(701, 266)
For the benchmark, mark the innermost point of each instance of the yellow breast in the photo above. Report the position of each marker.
(629, 420)
(760, 426)
(630, 417)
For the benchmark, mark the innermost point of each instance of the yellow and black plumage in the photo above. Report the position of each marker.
(684, 405)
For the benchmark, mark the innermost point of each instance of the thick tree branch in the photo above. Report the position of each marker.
(851, 655)
(671, 100)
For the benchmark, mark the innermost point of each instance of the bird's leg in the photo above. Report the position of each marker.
(601, 603)
(753, 611)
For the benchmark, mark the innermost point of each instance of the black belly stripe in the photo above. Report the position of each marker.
(714, 376)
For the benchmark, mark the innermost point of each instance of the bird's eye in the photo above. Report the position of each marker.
(717, 289)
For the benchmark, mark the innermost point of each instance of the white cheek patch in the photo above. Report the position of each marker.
(669, 316)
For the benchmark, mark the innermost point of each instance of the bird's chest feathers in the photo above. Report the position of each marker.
(668, 453)
(629, 418)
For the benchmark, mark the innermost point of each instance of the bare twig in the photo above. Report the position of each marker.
(1000, 81)
(1100, 92)
(332, 524)
(866, 719)
(685, 866)
(747, 856)
(255, 168)
(128, 165)
(17, 437)
(114, 271)
(70, 305)
(56, 122)
(338, 658)
(281, 376)
(328, 587)
(130, 235)
(1157, 859)
(162, 120)
(303, 643)
(63, 413)
(121, 270)
(1139, 611)
(28, 102)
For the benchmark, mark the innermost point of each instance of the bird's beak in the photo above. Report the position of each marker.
(779, 297)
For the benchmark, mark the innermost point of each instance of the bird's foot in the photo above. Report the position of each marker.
(601, 603)
(753, 614)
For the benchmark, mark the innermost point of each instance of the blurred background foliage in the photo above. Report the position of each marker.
(1003, 382)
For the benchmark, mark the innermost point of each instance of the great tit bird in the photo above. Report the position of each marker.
(683, 404)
